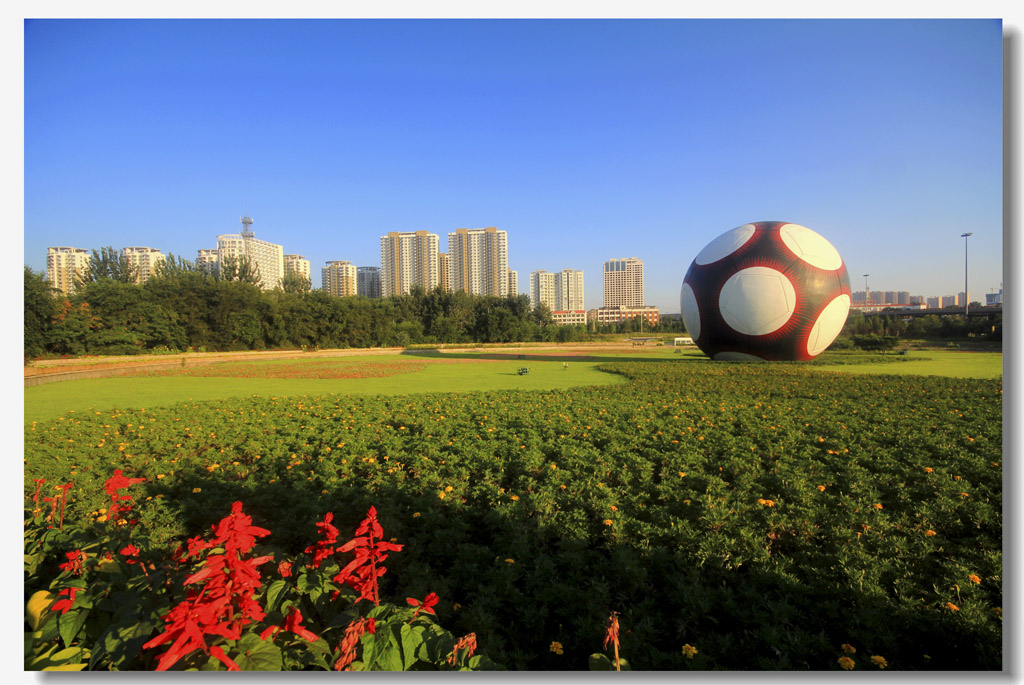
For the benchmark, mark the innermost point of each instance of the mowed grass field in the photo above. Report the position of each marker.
(422, 372)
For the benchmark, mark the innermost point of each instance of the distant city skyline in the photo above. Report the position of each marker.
(585, 140)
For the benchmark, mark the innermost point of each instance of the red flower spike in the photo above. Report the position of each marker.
(468, 643)
(74, 563)
(362, 572)
(328, 536)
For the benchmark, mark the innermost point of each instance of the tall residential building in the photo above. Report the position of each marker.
(444, 271)
(479, 260)
(368, 281)
(948, 301)
(339, 278)
(143, 261)
(933, 302)
(63, 264)
(624, 283)
(207, 260)
(297, 264)
(513, 282)
(408, 259)
(569, 291)
(267, 257)
(542, 289)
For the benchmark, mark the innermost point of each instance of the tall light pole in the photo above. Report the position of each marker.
(867, 293)
(967, 297)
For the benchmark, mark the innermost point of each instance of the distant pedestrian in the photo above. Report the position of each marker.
(565, 365)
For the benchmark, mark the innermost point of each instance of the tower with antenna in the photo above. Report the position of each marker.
(246, 234)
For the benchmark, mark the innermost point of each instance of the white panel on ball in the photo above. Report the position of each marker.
(725, 244)
(691, 311)
(828, 326)
(757, 300)
(810, 247)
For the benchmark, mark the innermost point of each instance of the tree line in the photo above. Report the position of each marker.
(181, 307)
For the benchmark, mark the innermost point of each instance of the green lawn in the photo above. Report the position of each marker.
(546, 372)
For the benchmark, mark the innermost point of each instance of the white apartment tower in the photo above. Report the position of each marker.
(568, 291)
(542, 289)
(624, 283)
(297, 264)
(267, 257)
(339, 278)
(479, 261)
(63, 264)
(513, 282)
(143, 261)
(408, 259)
(207, 261)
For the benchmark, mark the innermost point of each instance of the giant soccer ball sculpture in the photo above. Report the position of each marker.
(766, 291)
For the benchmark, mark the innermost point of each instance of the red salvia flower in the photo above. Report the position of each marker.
(328, 536)
(119, 504)
(349, 642)
(362, 572)
(292, 623)
(62, 605)
(426, 606)
(132, 552)
(74, 563)
(285, 569)
(226, 603)
(36, 509)
(468, 643)
(611, 635)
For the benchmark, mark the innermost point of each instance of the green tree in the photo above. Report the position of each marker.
(108, 264)
(240, 269)
(295, 283)
(40, 309)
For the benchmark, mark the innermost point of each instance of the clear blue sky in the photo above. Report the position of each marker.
(584, 139)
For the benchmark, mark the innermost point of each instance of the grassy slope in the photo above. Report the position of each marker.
(101, 394)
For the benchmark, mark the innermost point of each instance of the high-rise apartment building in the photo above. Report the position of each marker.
(368, 281)
(513, 282)
(408, 259)
(624, 283)
(444, 271)
(143, 261)
(339, 278)
(297, 264)
(542, 289)
(569, 291)
(933, 302)
(63, 265)
(265, 256)
(479, 260)
(208, 261)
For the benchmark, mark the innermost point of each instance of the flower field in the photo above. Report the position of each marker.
(735, 516)
(315, 369)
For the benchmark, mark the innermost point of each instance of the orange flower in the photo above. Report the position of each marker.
(848, 648)
(821, 488)
(879, 661)
(952, 607)
(930, 533)
(877, 506)
(974, 578)
(608, 522)
(766, 502)
(929, 469)
(689, 651)
(846, 663)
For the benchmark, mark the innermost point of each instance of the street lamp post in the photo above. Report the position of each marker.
(967, 297)
(867, 293)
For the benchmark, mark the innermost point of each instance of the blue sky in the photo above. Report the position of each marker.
(584, 139)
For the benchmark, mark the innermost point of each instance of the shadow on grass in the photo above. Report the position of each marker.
(688, 356)
(521, 578)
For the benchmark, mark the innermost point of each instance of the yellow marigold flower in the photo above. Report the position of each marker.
(515, 498)
(952, 607)
(196, 490)
(876, 505)
(821, 488)
(554, 468)
(102, 518)
(160, 475)
(440, 495)
(562, 486)
(848, 649)
(556, 647)
(930, 533)
(879, 661)
(449, 489)
(689, 651)
(608, 522)
(614, 508)
(929, 469)
(682, 474)
(846, 663)
(213, 467)
(964, 494)
(416, 515)
(510, 561)
(766, 502)
(974, 578)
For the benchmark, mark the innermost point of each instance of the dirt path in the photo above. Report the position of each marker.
(51, 370)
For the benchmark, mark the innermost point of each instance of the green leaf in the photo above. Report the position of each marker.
(254, 654)
(599, 662)
(412, 638)
(274, 594)
(71, 623)
(66, 667)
